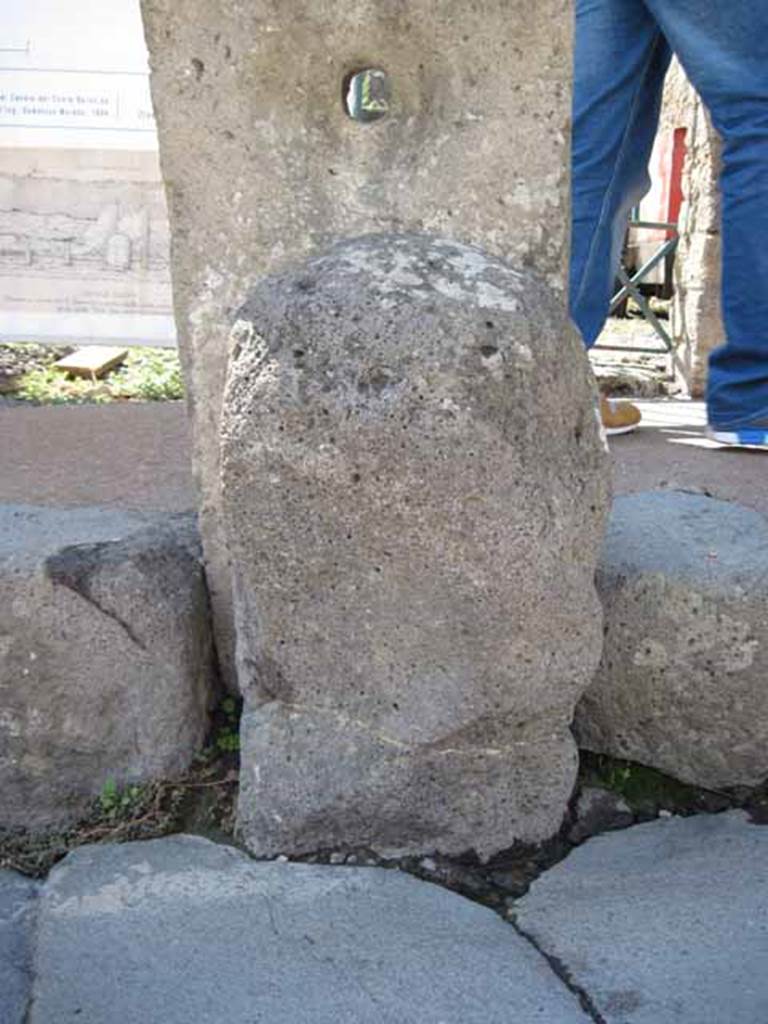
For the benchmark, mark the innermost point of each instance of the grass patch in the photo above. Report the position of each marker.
(646, 790)
(147, 375)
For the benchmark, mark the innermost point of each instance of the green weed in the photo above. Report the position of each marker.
(642, 787)
(115, 801)
(150, 374)
(47, 386)
(227, 733)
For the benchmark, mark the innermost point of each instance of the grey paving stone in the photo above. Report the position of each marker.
(17, 906)
(182, 930)
(664, 923)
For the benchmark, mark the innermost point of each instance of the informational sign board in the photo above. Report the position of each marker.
(74, 74)
(83, 225)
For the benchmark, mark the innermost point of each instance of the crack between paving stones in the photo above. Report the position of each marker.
(27, 1019)
(30, 969)
(561, 971)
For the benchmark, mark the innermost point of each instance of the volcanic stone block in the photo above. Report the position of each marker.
(414, 493)
(181, 929)
(682, 683)
(17, 917)
(105, 656)
(263, 165)
(662, 923)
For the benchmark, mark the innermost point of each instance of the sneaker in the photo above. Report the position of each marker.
(618, 417)
(753, 436)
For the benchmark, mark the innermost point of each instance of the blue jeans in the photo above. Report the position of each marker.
(622, 51)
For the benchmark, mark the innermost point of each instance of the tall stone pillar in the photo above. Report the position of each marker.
(403, 482)
(262, 164)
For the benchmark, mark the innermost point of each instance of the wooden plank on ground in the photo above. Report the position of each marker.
(93, 361)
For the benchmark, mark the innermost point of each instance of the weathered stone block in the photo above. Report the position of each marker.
(682, 683)
(662, 923)
(262, 165)
(181, 929)
(414, 492)
(17, 917)
(105, 656)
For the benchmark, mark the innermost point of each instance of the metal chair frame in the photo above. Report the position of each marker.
(631, 286)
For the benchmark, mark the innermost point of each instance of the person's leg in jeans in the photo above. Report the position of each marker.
(620, 59)
(723, 47)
